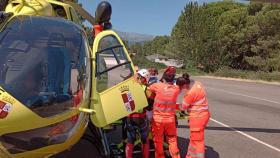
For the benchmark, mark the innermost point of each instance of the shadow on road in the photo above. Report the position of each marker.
(183, 144)
(211, 153)
(264, 130)
(83, 149)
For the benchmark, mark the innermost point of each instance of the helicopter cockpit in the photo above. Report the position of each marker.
(44, 67)
(46, 70)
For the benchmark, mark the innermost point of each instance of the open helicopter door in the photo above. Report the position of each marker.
(115, 93)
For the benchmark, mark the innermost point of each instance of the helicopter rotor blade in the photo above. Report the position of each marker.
(82, 12)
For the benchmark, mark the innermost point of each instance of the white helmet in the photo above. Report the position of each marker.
(144, 73)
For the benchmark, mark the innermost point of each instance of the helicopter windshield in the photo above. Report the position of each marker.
(43, 62)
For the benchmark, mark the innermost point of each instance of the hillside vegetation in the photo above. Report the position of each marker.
(223, 37)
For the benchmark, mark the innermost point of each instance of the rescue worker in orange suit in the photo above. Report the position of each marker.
(138, 123)
(164, 108)
(196, 104)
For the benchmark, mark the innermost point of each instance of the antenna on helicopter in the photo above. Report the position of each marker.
(102, 16)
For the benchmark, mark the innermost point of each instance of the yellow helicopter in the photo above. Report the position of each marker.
(52, 82)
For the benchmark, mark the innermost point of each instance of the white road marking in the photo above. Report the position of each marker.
(248, 96)
(246, 135)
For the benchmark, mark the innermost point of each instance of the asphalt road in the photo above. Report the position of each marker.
(245, 122)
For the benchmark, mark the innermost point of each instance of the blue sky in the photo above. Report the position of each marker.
(154, 17)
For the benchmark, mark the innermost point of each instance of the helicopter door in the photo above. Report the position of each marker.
(115, 93)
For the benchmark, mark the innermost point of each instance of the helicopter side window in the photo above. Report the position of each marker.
(112, 64)
(59, 11)
(75, 17)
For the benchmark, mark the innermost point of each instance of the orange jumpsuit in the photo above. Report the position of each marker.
(163, 123)
(196, 103)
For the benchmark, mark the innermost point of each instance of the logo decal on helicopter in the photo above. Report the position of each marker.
(5, 108)
(128, 101)
(127, 98)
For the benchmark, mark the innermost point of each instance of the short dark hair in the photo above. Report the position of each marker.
(181, 81)
(186, 76)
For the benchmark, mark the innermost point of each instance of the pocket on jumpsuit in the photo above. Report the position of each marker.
(196, 129)
(196, 134)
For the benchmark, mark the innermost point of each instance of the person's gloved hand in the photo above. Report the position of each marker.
(181, 114)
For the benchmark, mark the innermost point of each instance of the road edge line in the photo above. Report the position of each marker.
(243, 95)
(246, 135)
(241, 80)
